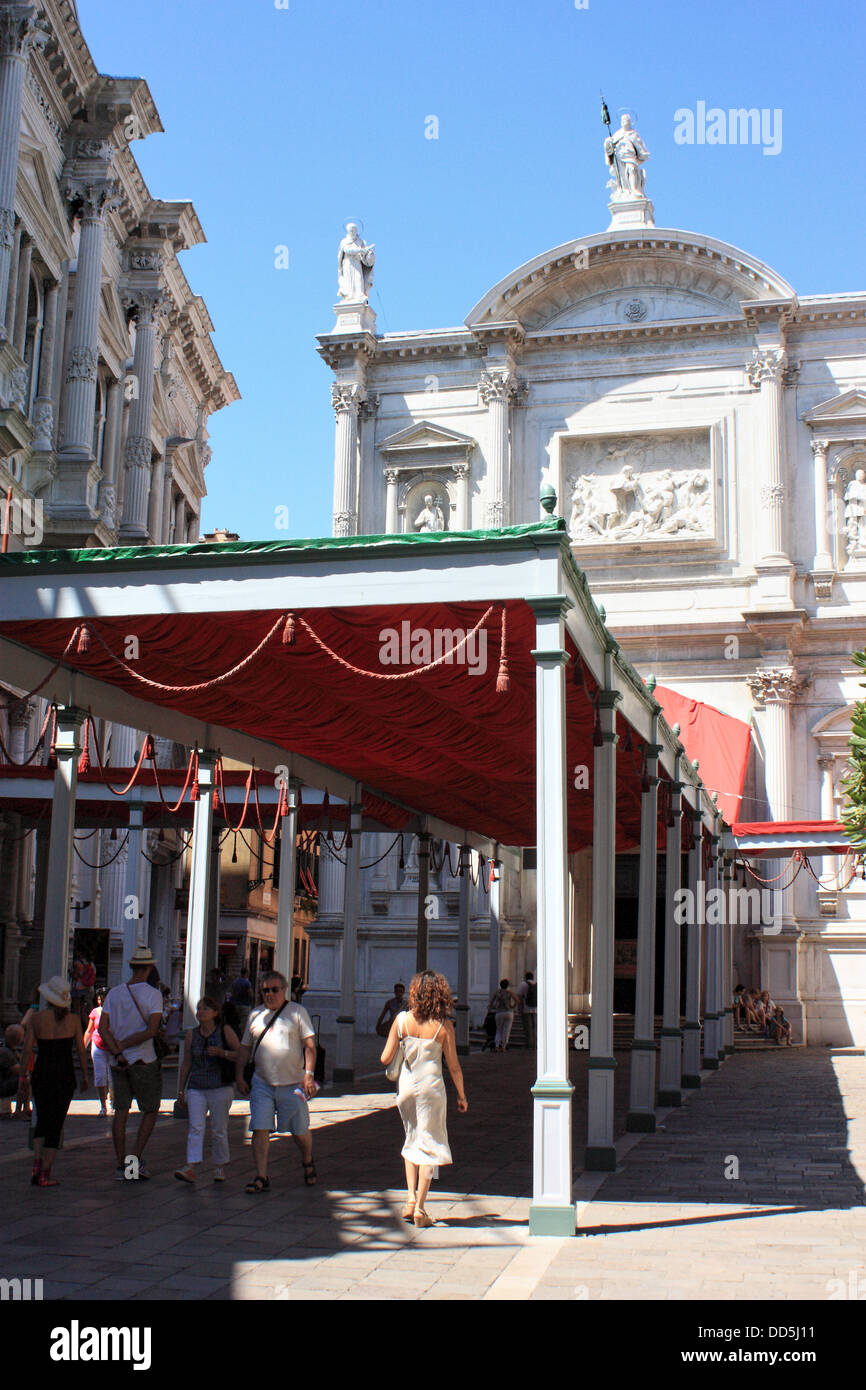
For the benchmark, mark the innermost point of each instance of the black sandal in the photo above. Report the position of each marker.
(310, 1175)
(257, 1186)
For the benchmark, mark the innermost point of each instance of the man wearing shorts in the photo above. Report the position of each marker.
(131, 1018)
(282, 1039)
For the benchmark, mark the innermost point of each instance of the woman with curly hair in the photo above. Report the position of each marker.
(427, 1037)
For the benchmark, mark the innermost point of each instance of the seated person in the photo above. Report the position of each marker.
(754, 1014)
(769, 1009)
(739, 1006)
(782, 1027)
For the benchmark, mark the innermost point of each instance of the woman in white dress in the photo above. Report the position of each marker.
(427, 1037)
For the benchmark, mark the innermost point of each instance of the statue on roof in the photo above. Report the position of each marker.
(355, 265)
(625, 153)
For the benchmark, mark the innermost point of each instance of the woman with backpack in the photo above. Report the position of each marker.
(207, 1081)
(503, 1004)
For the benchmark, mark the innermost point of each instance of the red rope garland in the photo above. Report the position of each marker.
(418, 670)
(184, 689)
(796, 858)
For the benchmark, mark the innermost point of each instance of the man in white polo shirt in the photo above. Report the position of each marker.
(282, 1042)
(130, 1019)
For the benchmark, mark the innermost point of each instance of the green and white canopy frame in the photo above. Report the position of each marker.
(482, 759)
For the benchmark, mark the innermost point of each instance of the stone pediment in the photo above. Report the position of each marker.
(424, 440)
(629, 279)
(840, 416)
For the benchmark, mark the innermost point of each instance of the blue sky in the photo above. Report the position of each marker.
(283, 123)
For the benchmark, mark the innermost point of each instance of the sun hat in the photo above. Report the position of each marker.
(56, 991)
(142, 955)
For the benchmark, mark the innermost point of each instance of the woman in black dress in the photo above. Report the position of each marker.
(54, 1032)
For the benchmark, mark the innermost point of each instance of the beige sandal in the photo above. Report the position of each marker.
(422, 1219)
(408, 1211)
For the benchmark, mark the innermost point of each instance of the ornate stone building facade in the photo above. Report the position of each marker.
(108, 377)
(703, 425)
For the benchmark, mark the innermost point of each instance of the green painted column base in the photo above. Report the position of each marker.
(600, 1159)
(551, 1221)
(638, 1122)
(670, 1098)
(343, 1074)
(710, 1064)
(690, 1083)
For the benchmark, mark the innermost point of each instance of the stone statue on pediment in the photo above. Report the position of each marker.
(355, 260)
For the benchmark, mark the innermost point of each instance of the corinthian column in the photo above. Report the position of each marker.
(498, 390)
(43, 410)
(773, 691)
(138, 449)
(347, 399)
(92, 193)
(19, 31)
(823, 560)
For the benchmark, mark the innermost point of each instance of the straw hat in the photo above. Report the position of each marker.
(56, 991)
(142, 955)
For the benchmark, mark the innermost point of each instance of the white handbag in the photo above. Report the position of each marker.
(394, 1067)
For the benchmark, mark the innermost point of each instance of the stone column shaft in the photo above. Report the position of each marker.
(391, 476)
(641, 1116)
(600, 1151)
(25, 260)
(8, 323)
(712, 978)
(497, 389)
(20, 29)
(347, 399)
(765, 371)
(286, 893)
(79, 399)
(138, 448)
(43, 410)
(823, 559)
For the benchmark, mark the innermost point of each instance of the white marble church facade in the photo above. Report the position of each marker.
(703, 425)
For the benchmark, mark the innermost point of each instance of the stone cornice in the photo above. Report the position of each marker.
(339, 350)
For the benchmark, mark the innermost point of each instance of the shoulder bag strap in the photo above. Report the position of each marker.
(136, 1003)
(264, 1030)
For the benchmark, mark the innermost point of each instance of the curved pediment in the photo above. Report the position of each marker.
(629, 279)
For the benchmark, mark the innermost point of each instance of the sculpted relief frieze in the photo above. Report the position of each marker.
(648, 488)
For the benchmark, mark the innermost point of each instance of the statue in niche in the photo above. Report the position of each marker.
(625, 153)
(355, 262)
(855, 512)
(431, 517)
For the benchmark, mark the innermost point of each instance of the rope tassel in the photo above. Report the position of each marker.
(84, 760)
(503, 681)
(289, 631)
(83, 639)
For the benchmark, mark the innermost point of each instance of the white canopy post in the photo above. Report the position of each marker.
(463, 954)
(691, 1079)
(199, 890)
(711, 977)
(423, 941)
(67, 747)
(728, 958)
(283, 953)
(212, 948)
(600, 1150)
(344, 1068)
(641, 1115)
(671, 1053)
(494, 871)
(552, 1210)
(133, 887)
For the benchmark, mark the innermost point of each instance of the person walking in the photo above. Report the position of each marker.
(130, 1019)
(527, 994)
(427, 1036)
(207, 1081)
(503, 1004)
(395, 1005)
(54, 1032)
(281, 1041)
(98, 1055)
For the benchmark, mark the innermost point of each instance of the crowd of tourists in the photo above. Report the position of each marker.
(756, 1012)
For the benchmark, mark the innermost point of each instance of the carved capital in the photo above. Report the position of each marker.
(92, 198)
(392, 476)
(766, 364)
(345, 523)
(145, 305)
(7, 228)
(498, 386)
(496, 514)
(777, 687)
(460, 470)
(826, 762)
(81, 365)
(772, 494)
(20, 30)
(138, 452)
(346, 398)
(21, 713)
(819, 448)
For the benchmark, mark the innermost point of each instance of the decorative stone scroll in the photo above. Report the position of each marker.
(652, 488)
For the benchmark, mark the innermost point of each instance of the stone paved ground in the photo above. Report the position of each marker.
(667, 1224)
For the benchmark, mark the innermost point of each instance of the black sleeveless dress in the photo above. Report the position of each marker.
(53, 1085)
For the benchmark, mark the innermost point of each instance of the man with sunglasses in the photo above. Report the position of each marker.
(280, 1039)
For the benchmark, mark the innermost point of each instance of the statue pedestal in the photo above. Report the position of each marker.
(630, 212)
(355, 317)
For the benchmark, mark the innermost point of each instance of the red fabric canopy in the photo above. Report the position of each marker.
(444, 741)
(720, 743)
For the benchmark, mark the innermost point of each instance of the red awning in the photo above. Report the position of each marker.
(720, 743)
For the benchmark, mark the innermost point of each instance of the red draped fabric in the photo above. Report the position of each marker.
(720, 743)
